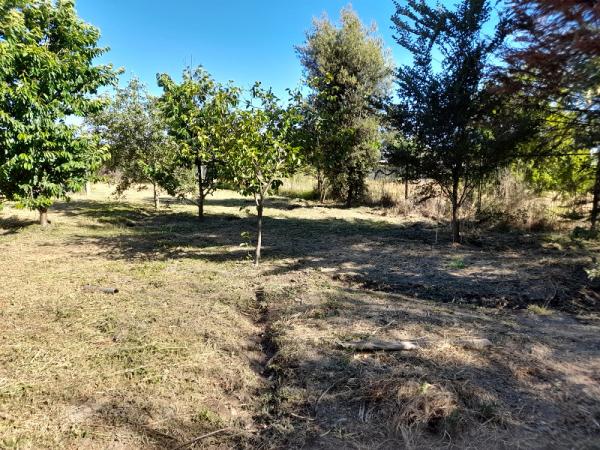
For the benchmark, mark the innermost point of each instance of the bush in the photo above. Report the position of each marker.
(584, 233)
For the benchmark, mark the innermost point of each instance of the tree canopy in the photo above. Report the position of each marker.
(47, 74)
(457, 127)
(349, 73)
(198, 112)
(557, 59)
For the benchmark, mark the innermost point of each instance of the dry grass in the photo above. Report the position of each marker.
(535, 387)
(506, 204)
(180, 350)
(509, 203)
(539, 310)
(162, 361)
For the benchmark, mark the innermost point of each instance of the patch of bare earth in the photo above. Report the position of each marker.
(200, 350)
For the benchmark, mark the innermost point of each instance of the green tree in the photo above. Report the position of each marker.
(557, 59)
(556, 160)
(349, 74)
(199, 114)
(46, 75)
(140, 149)
(457, 128)
(263, 150)
(308, 137)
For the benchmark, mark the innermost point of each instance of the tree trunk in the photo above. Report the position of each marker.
(320, 185)
(43, 216)
(156, 197)
(406, 189)
(200, 190)
(259, 210)
(351, 188)
(455, 219)
(479, 188)
(88, 188)
(596, 200)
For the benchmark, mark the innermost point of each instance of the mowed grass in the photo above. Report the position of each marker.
(186, 348)
(162, 361)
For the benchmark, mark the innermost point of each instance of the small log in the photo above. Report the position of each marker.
(377, 345)
(103, 290)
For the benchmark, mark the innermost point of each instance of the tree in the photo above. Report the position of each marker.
(140, 149)
(349, 74)
(199, 113)
(457, 128)
(263, 151)
(557, 58)
(308, 137)
(556, 161)
(46, 75)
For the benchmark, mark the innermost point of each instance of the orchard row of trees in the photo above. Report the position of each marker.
(200, 134)
(481, 92)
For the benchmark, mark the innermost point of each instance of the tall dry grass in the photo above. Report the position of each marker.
(509, 203)
(505, 202)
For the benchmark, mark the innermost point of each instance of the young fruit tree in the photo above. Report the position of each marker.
(199, 113)
(349, 74)
(263, 151)
(140, 149)
(47, 75)
(456, 127)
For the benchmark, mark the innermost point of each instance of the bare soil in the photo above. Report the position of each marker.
(197, 340)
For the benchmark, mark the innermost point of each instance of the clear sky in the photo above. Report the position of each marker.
(239, 40)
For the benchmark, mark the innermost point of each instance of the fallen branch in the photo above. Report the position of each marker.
(474, 343)
(199, 438)
(104, 290)
(375, 345)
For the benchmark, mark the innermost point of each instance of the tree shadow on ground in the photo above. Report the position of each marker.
(12, 224)
(126, 418)
(413, 258)
(532, 388)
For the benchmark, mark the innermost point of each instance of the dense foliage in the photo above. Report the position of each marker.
(348, 72)
(47, 74)
(457, 127)
(198, 112)
(557, 58)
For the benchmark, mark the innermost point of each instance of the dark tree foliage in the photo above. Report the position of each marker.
(557, 59)
(348, 73)
(457, 127)
(558, 46)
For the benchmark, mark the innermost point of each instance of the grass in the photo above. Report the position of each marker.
(539, 310)
(185, 348)
(143, 366)
(299, 187)
(457, 263)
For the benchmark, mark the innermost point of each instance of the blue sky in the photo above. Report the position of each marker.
(239, 40)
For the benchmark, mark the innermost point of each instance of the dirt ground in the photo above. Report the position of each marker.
(198, 341)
